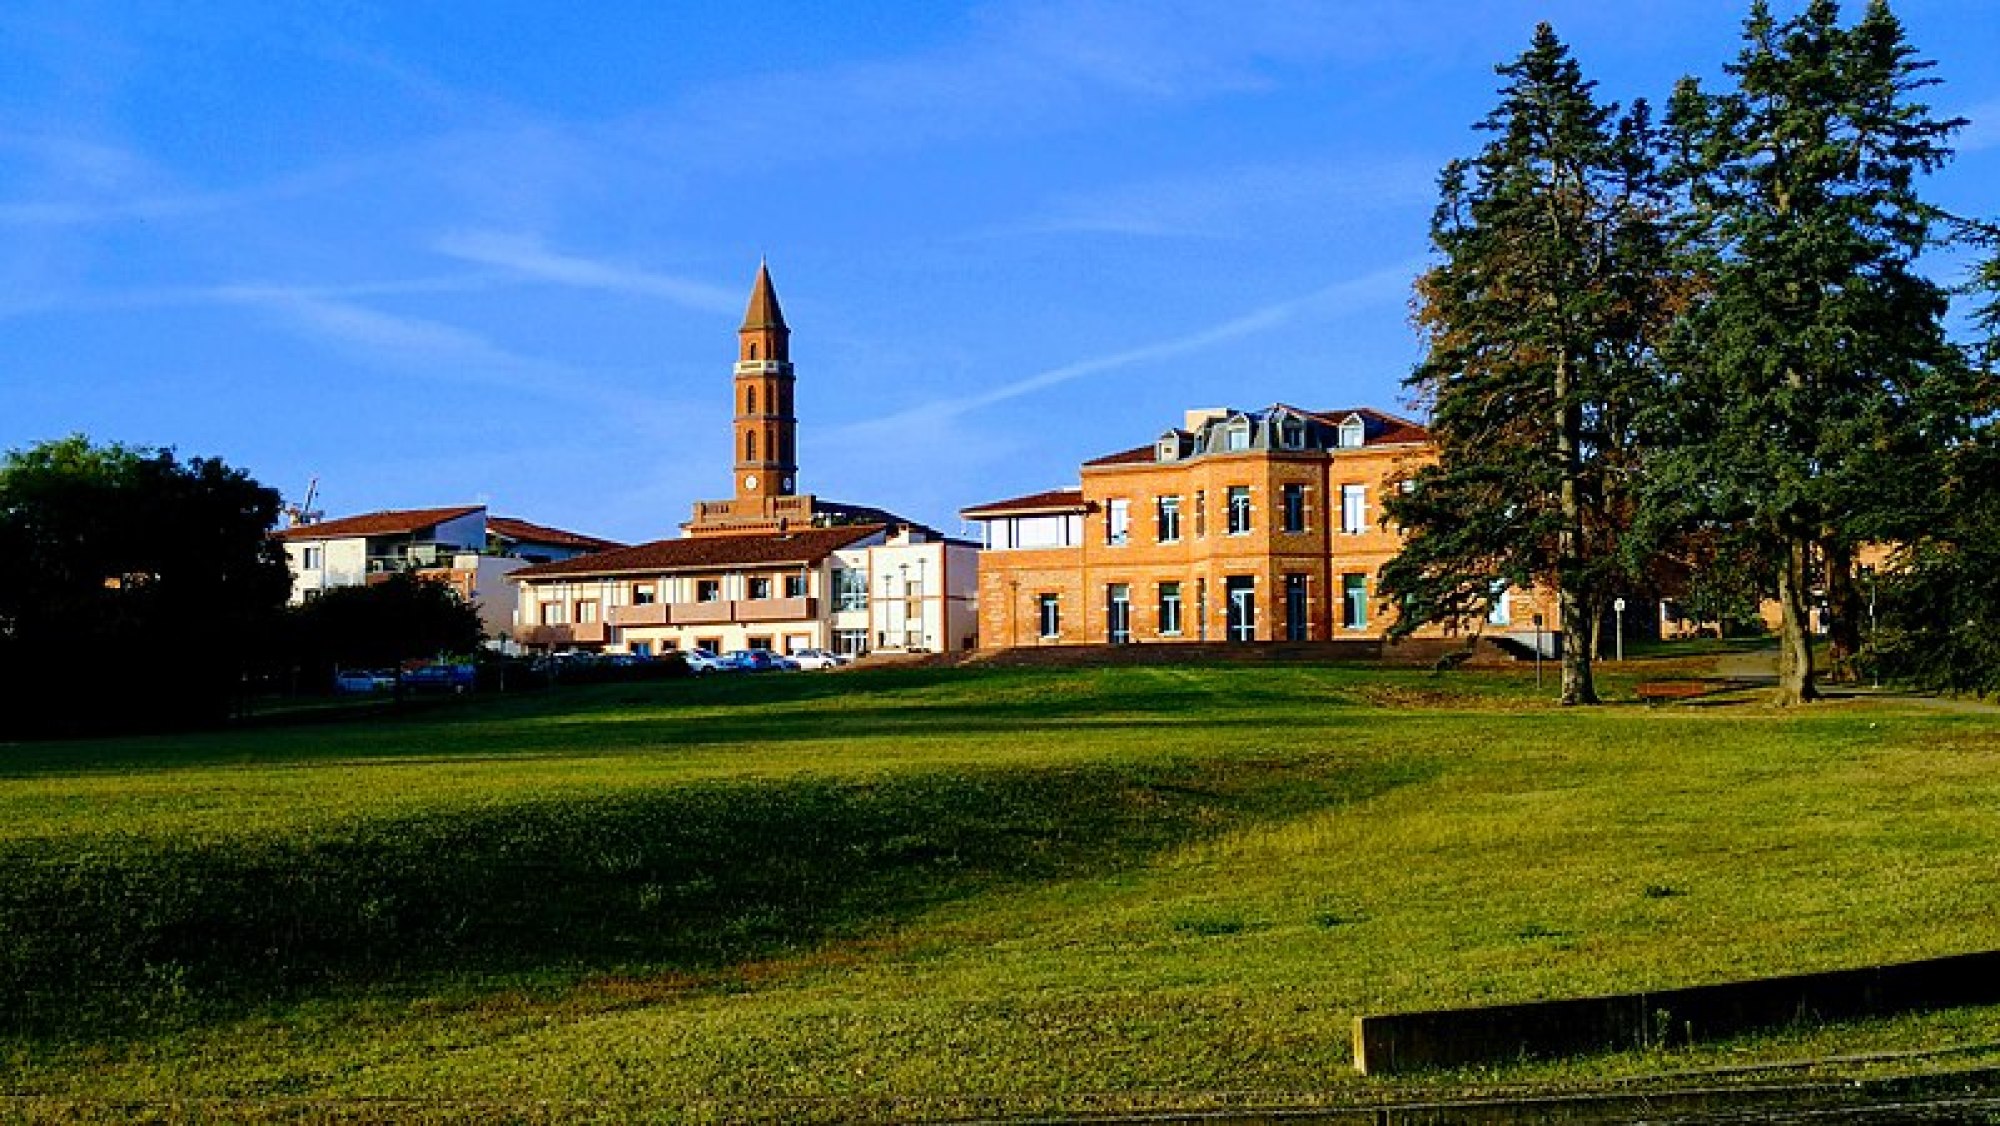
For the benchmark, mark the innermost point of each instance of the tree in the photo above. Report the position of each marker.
(135, 589)
(1541, 324)
(381, 625)
(1813, 383)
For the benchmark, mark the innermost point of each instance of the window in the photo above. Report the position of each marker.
(1241, 591)
(763, 643)
(913, 599)
(1117, 521)
(1352, 434)
(1167, 510)
(1294, 434)
(554, 614)
(1354, 601)
(1295, 508)
(1296, 604)
(1201, 609)
(586, 611)
(708, 590)
(644, 594)
(850, 642)
(1236, 437)
(750, 393)
(760, 587)
(750, 446)
(1502, 613)
(795, 586)
(1354, 509)
(712, 644)
(640, 648)
(1200, 513)
(1118, 613)
(850, 590)
(1170, 609)
(312, 559)
(1049, 611)
(753, 355)
(1239, 509)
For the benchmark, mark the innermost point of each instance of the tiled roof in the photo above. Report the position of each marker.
(696, 552)
(1055, 500)
(1394, 429)
(392, 523)
(523, 531)
(1133, 456)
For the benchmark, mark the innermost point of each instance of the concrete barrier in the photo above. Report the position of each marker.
(1399, 1042)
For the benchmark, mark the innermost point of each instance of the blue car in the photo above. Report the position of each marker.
(440, 678)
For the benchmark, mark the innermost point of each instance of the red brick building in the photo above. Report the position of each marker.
(1236, 526)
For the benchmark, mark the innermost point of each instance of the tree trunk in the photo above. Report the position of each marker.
(1578, 626)
(1579, 639)
(1844, 609)
(1795, 667)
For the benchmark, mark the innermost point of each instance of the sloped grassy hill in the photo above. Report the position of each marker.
(937, 892)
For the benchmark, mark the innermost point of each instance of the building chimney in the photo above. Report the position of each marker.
(1202, 416)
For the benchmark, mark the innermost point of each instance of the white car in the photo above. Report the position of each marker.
(818, 658)
(703, 661)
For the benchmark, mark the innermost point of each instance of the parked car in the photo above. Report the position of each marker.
(440, 678)
(362, 681)
(762, 660)
(701, 661)
(819, 658)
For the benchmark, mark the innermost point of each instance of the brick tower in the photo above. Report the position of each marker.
(766, 430)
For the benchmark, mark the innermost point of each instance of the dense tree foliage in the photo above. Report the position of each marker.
(1813, 386)
(379, 626)
(1541, 322)
(135, 589)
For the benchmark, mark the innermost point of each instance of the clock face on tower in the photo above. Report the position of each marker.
(750, 482)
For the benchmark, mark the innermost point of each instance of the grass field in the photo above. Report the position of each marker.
(946, 892)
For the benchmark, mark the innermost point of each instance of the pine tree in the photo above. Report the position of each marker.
(1814, 379)
(1540, 325)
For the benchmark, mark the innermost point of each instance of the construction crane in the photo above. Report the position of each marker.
(298, 515)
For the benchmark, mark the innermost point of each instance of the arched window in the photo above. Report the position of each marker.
(750, 446)
(753, 351)
(750, 399)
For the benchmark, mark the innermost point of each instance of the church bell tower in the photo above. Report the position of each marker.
(766, 429)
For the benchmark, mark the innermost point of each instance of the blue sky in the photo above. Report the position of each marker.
(437, 253)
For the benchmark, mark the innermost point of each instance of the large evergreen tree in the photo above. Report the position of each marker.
(1540, 323)
(1813, 382)
(135, 588)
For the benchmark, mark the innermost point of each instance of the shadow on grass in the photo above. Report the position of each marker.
(772, 709)
(106, 937)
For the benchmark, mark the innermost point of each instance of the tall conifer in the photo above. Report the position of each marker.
(1540, 322)
(1814, 378)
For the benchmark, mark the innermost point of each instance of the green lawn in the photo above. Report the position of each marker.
(935, 893)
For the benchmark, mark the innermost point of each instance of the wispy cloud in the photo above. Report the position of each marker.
(525, 257)
(1982, 130)
(1231, 201)
(1386, 285)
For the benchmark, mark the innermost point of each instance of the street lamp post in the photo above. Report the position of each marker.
(1618, 624)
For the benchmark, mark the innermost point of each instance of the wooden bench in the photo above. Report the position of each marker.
(1658, 691)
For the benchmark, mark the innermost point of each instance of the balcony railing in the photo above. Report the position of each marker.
(578, 633)
(651, 614)
(774, 609)
(699, 613)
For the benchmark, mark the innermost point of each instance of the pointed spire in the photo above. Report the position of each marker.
(763, 311)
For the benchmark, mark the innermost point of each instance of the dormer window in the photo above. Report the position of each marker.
(1236, 437)
(1293, 434)
(1353, 432)
(1170, 449)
